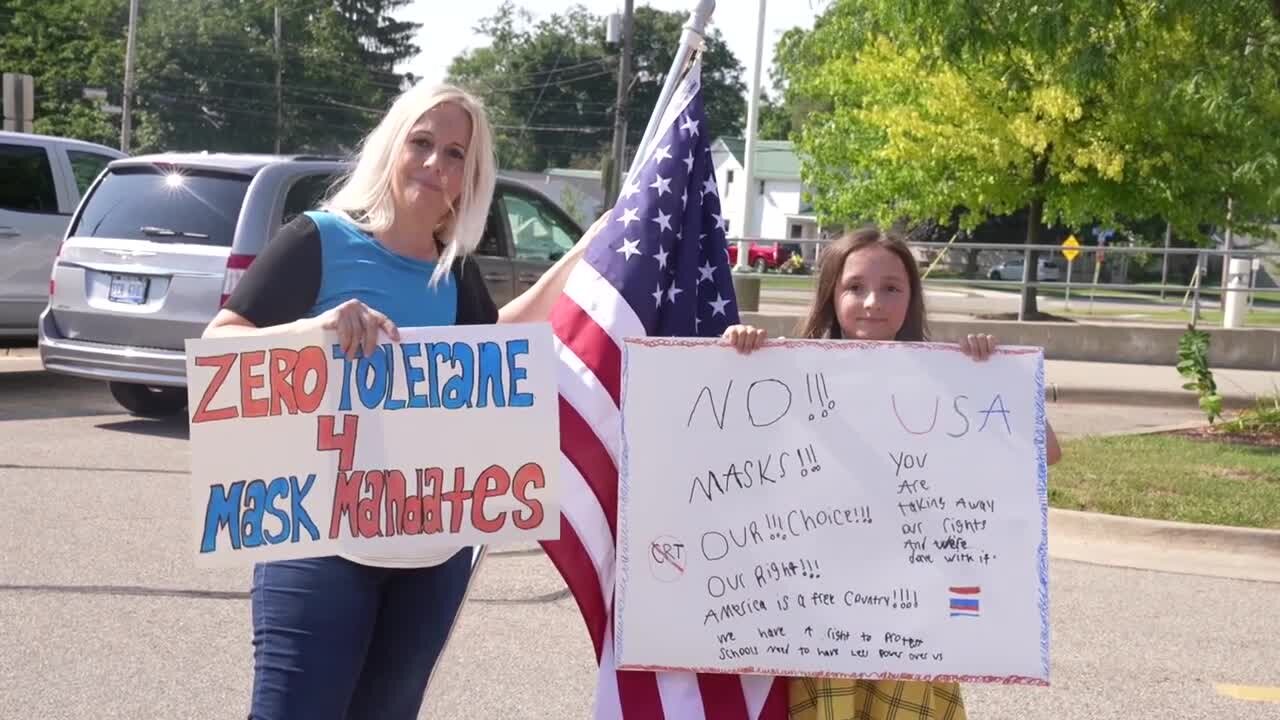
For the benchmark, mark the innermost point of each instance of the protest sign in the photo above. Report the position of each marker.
(833, 508)
(447, 438)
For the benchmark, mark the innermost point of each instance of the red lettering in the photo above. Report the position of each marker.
(224, 363)
(393, 490)
(311, 362)
(529, 474)
(432, 522)
(282, 364)
(411, 511)
(344, 443)
(369, 507)
(253, 407)
(457, 498)
(346, 494)
(493, 481)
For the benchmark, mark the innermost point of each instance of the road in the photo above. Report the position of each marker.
(102, 616)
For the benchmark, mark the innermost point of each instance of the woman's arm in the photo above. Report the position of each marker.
(534, 304)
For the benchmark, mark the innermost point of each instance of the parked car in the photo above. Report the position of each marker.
(42, 179)
(1047, 269)
(761, 256)
(160, 242)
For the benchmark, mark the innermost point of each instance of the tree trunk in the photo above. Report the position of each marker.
(971, 263)
(1031, 258)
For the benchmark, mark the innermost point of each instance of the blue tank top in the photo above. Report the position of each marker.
(356, 266)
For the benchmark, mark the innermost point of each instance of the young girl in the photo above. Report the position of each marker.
(869, 289)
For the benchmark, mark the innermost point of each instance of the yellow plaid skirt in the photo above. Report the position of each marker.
(823, 699)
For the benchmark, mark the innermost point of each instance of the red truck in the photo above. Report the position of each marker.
(761, 256)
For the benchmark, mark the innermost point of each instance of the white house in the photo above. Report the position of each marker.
(780, 210)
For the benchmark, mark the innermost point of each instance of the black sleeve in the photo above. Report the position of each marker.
(475, 304)
(282, 283)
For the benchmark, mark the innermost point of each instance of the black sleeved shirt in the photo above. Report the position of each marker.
(283, 282)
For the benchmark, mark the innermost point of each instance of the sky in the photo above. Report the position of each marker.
(447, 26)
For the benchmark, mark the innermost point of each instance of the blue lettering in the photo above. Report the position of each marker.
(436, 352)
(222, 511)
(516, 373)
(344, 404)
(279, 488)
(490, 376)
(255, 505)
(301, 519)
(413, 375)
(392, 403)
(457, 391)
(1002, 412)
(372, 391)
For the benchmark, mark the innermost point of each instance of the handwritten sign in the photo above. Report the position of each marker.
(447, 438)
(827, 508)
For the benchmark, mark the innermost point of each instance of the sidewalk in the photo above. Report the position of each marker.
(1092, 382)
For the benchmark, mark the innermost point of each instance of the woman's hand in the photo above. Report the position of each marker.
(746, 338)
(357, 325)
(978, 346)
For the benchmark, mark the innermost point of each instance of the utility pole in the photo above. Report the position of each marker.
(749, 228)
(130, 56)
(614, 182)
(279, 82)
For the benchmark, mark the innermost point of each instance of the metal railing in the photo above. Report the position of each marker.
(955, 257)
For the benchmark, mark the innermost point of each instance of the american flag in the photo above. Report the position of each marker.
(659, 268)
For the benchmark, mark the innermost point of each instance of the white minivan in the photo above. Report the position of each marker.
(42, 179)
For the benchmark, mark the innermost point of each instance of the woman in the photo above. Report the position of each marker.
(358, 635)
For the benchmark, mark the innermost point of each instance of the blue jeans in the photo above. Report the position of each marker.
(336, 639)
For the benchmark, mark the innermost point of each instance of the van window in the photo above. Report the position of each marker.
(162, 205)
(26, 180)
(535, 229)
(86, 166)
(306, 194)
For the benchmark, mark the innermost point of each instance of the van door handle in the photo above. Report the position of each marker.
(495, 277)
(8, 232)
(529, 278)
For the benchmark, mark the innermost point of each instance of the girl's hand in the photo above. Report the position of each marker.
(979, 347)
(357, 325)
(745, 338)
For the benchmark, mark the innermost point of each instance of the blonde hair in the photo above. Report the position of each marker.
(365, 197)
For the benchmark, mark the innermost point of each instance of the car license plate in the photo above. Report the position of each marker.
(128, 289)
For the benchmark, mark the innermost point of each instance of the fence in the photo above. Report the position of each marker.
(1241, 270)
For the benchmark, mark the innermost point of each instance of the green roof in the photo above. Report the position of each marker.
(775, 159)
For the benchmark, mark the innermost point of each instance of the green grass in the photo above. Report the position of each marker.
(1170, 478)
(1210, 318)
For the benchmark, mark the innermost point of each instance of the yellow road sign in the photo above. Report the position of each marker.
(1069, 250)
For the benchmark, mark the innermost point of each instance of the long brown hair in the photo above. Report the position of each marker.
(822, 321)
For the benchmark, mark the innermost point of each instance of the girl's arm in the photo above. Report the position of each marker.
(1052, 449)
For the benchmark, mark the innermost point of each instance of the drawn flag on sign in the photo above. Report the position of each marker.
(965, 601)
(659, 268)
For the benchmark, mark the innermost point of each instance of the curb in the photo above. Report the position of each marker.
(1101, 395)
(1165, 533)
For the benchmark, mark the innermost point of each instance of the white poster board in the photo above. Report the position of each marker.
(447, 438)
(833, 508)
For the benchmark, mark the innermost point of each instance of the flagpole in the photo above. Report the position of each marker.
(690, 40)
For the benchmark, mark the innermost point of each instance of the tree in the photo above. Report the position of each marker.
(1111, 114)
(207, 73)
(550, 85)
(68, 46)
